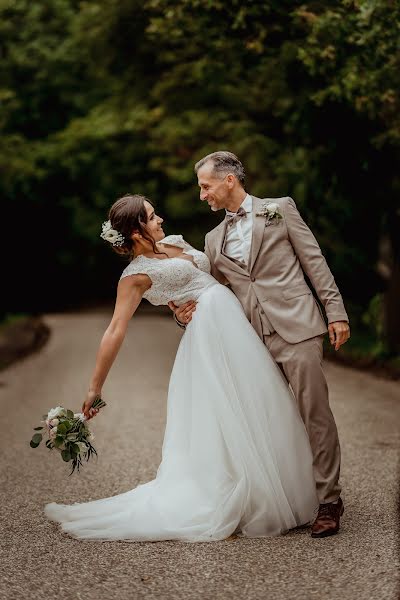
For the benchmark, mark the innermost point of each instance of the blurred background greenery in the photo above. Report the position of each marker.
(101, 98)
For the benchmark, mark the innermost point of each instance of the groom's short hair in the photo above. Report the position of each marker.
(224, 162)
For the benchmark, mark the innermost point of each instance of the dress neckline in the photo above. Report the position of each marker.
(170, 257)
(161, 259)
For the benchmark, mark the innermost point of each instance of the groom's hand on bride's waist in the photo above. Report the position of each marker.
(339, 333)
(183, 313)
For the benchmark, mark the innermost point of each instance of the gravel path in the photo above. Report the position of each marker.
(37, 561)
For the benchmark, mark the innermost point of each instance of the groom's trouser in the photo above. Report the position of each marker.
(302, 366)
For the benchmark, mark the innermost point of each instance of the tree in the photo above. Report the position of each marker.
(351, 53)
(101, 98)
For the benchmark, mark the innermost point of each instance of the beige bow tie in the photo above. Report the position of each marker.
(232, 218)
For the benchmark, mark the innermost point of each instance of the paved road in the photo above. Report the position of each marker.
(37, 561)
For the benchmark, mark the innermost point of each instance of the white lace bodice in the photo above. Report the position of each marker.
(176, 279)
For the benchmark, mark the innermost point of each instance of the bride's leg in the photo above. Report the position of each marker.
(302, 365)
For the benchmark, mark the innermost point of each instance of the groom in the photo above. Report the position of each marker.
(262, 250)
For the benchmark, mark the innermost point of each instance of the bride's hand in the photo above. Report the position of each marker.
(87, 409)
(184, 312)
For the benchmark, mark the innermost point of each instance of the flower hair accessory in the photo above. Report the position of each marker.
(111, 235)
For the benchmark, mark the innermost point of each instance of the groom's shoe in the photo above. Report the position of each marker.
(328, 519)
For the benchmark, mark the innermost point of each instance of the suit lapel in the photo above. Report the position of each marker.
(258, 232)
(219, 241)
(219, 237)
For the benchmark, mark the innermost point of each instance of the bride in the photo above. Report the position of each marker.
(236, 456)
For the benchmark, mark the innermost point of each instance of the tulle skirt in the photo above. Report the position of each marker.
(236, 456)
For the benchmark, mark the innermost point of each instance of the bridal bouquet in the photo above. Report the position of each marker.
(68, 433)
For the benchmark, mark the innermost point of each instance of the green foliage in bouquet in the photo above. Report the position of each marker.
(69, 434)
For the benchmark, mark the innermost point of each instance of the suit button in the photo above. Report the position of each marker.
(261, 312)
(252, 278)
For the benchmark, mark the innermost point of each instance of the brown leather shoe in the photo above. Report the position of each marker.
(328, 519)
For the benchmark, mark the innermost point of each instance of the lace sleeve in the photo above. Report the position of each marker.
(174, 240)
(140, 267)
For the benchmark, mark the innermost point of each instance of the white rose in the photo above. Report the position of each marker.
(272, 207)
(53, 433)
(54, 422)
(111, 235)
(55, 412)
(80, 416)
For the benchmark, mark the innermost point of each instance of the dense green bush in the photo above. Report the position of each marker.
(101, 98)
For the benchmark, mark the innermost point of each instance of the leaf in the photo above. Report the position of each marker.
(91, 451)
(37, 428)
(33, 445)
(37, 438)
(61, 428)
(59, 440)
(66, 455)
(74, 449)
(70, 414)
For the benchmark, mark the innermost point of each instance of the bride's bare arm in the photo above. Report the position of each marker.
(129, 295)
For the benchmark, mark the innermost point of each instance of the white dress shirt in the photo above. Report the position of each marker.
(238, 236)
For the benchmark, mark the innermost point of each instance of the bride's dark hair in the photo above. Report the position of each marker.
(127, 215)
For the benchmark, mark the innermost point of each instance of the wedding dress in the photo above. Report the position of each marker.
(236, 456)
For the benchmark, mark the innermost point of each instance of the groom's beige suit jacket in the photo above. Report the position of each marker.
(272, 287)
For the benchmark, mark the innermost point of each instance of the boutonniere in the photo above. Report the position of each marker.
(269, 210)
